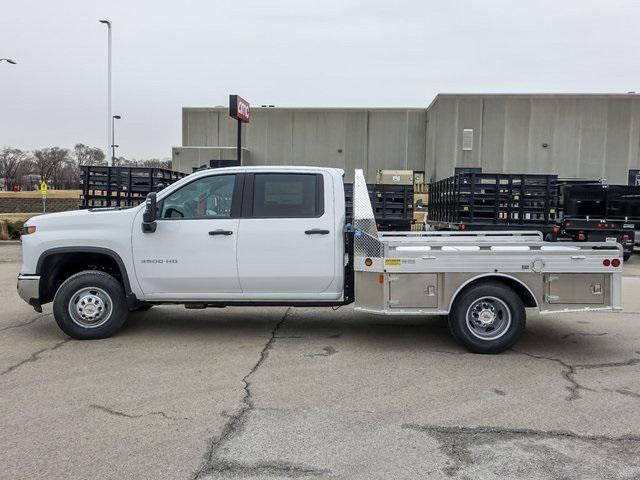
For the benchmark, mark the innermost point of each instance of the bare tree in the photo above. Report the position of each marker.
(48, 163)
(149, 163)
(11, 160)
(86, 155)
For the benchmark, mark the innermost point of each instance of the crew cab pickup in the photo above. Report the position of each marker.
(276, 236)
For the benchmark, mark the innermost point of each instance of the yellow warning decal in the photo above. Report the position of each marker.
(392, 262)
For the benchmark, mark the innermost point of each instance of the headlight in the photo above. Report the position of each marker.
(28, 230)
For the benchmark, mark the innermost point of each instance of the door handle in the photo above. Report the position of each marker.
(221, 232)
(316, 231)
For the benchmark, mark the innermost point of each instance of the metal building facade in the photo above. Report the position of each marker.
(348, 138)
(585, 135)
(571, 135)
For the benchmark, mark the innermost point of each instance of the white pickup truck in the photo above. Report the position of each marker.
(277, 236)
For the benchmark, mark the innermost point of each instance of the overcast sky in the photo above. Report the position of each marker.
(169, 54)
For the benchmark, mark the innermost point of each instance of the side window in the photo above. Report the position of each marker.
(209, 197)
(287, 195)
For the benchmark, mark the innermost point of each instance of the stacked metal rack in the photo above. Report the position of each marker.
(480, 201)
(392, 205)
(122, 186)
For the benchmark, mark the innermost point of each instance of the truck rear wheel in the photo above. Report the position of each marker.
(90, 305)
(487, 318)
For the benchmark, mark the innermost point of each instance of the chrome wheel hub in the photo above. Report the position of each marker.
(488, 318)
(90, 307)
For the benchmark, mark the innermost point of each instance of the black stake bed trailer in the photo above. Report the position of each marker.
(492, 201)
(392, 205)
(122, 186)
(596, 212)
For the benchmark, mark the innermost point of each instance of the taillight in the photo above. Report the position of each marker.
(625, 238)
(368, 262)
(581, 237)
(462, 226)
(606, 262)
(615, 262)
(556, 229)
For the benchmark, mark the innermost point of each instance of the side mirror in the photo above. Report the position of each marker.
(150, 214)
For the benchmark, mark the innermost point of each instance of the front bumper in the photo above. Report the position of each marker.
(29, 290)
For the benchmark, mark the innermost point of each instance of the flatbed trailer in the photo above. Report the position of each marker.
(104, 186)
(598, 212)
(490, 201)
(392, 205)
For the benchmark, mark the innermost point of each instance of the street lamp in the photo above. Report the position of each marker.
(8, 60)
(109, 120)
(113, 137)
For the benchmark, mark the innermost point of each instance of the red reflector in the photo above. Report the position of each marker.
(368, 262)
(599, 225)
(462, 226)
(625, 238)
(380, 278)
(615, 262)
(606, 262)
(556, 229)
(581, 237)
(606, 225)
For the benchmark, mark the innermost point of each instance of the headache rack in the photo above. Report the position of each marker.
(122, 186)
(494, 200)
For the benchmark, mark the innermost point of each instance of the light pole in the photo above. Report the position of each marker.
(113, 137)
(109, 120)
(8, 60)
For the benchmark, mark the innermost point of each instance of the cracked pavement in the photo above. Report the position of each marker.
(313, 393)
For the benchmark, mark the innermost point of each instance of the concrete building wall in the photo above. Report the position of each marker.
(585, 135)
(346, 138)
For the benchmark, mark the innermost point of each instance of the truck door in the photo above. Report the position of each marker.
(192, 253)
(287, 237)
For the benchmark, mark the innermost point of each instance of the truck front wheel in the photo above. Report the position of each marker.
(487, 318)
(90, 305)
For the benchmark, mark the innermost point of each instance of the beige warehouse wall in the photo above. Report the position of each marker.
(587, 135)
(346, 138)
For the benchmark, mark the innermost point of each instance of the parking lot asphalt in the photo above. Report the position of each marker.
(270, 393)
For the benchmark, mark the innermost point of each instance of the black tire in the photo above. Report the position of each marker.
(99, 291)
(626, 256)
(499, 299)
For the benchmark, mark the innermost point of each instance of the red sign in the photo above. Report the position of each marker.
(239, 108)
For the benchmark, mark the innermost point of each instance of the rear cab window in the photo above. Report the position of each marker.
(286, 195)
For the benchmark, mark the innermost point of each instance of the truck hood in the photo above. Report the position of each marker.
(82, 218)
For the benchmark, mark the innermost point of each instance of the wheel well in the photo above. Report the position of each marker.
(57, 267)
(521, 290)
